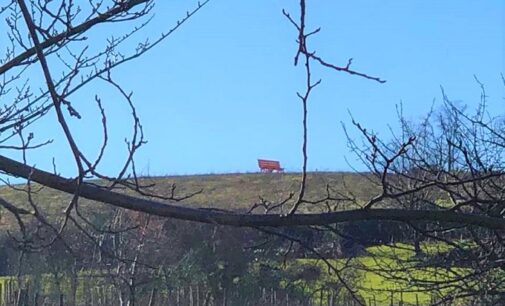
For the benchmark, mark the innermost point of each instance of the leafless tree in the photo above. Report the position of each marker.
(455, 163)
(441, 178)
(54, 39)
(17, 116)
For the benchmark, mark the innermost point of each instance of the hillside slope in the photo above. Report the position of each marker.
(220, 191)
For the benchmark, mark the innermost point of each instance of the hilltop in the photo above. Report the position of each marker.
(237, 191)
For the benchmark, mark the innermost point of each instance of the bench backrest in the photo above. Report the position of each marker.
(269, 164)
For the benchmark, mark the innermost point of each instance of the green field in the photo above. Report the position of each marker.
(373, 286)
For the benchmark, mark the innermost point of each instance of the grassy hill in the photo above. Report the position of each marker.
(239, 192)
(220, 191)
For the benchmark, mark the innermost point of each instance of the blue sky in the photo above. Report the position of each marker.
(221, 91)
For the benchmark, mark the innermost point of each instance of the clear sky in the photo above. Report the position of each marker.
(221, 91)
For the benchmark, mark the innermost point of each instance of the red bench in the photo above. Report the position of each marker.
(269, 165)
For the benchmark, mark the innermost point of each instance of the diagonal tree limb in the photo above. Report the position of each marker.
(81, 28)
(93, 192)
